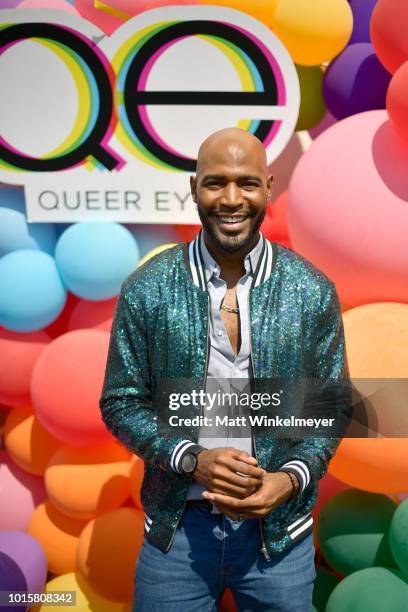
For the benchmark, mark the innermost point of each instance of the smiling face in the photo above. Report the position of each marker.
(231, 189)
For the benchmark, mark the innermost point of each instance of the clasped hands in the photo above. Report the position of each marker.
(238, 486)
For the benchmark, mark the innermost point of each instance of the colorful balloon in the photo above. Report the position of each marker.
(88, 314)
(16, 233)
(149, 236)
(353, 531)
(66, 386)
(277, 211)
(388, 30)
(84, 482)
(28, 443)
(399, 536)
(20, 494)
(60, 325)
(312, 105)
(60, 5)
(260, 9)
(107, 552)
(12, 197)
(29, 555)
(313, 31)
(355, 82)
(325, 123)
(86, 599)
(397, 101)
(33, 294)
(18, 354)
(58, 534)
(375, 589)
(324, 584)
(362, 11)
(94, 258)
(328, 200)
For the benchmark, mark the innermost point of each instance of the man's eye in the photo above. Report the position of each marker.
(213, 185)
(250, 185)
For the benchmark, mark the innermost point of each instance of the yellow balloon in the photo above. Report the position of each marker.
(313, 31)
(155, 251)
(260, 9)
(86, 600)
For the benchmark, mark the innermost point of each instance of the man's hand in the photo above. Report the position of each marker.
(228, 471)
(276, 489)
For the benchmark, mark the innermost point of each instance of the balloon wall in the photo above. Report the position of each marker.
(71, 517)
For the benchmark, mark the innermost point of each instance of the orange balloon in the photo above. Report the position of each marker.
(136, 479)
(107, 552)
(377, 348)
(58, 535)
(84, 482)
(260, 9)
(28, 443)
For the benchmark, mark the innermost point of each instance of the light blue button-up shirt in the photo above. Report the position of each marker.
(223, 363)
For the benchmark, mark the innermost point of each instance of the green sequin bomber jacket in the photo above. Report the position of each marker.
(160, 331)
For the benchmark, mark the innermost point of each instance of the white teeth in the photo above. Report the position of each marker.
(232, 219)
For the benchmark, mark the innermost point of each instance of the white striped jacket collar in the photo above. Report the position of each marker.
(197, 268)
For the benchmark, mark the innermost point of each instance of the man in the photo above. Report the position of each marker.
(228, 305)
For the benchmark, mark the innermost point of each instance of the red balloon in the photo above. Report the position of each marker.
(388, 30)
(18, 354)
(397, 101)
(277, 212)
(90, 314)
(60, 325)
(187, 232)
(66, 386)
(328, 487)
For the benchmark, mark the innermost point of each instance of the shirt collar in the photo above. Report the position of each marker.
(212, 267)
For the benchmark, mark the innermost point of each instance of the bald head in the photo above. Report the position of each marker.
(231, 146)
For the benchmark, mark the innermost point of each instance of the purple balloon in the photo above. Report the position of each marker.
(362, 10)
(11, 579)
(29, 556)
(355, 82)
(10, 3)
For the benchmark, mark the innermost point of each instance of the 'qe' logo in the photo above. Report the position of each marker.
(118, 96)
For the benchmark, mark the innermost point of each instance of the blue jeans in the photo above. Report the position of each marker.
(211, 552)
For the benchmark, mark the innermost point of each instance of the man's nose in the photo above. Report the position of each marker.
(232, 194)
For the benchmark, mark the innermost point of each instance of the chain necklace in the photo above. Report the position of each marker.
(229, 309)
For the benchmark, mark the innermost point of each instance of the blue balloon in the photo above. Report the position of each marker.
(12, 197)
(149, 235)
(16, 233)
(32, 293)
(94, 258)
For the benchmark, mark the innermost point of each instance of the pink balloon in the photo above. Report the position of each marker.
(348, 208)
(66, 386)
(60, 5)
(87, 314)
(397, 101)
(18, 354)
(20, 493)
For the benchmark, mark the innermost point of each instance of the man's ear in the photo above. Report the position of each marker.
(269, 186)
(193, 187)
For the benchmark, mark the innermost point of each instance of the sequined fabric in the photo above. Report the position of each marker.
(160, 331)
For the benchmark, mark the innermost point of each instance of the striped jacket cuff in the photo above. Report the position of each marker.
(300, 469)
(178, 453)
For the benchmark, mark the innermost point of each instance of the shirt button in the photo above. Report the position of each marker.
(219, 333)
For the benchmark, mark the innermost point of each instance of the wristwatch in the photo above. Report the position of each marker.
(188, 461)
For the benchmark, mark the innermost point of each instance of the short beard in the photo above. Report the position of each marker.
(232, 244)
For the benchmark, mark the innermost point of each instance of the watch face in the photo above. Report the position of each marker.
(189, 462)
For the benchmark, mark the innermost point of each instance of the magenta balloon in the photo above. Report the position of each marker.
(11, 579)
(29, 555)
(20, 494)
(348, 208)
(355, 82)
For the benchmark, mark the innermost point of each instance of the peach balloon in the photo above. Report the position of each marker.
(20, 493)
(86, 599)
(348, 208)
(136, 479)
(18, 354)
(58, 534)
(377, 347)
(107, 552)
(28, 443)
(84, 482)
(90, 314)
(260, 9)
(66, 386)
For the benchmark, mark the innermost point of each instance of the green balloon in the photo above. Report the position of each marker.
(399, 536)
(324, 584)
(353, 531)
(312, 105)
(375, 589)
